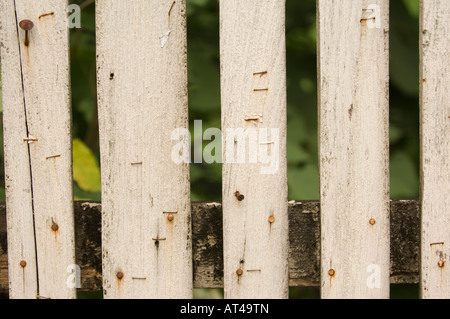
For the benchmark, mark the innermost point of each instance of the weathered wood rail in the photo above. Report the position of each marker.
(304, 244)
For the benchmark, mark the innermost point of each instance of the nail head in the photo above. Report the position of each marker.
(271, 219)
(23, 263)
(170, 217)
(331, 272)
(441, 263)
(239, 272)
(120, 275)
(26, 25)
(372, 221)
(239, 196)
(55, 227)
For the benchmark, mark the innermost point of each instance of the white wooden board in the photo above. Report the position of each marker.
(253, 64)
(142, 98)
(353, 57)
(435, 148)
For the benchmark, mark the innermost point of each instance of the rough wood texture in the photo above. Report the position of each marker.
(435, 148)
(36, 92)
(304, 247)
(17, 162)
(253, 78)
(142, 99)
(353, 45)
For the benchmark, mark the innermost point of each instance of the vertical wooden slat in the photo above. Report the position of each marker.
(253, 81)
(21, 245)
(435, 148)
(37, 103)
(142, 98)
(354, 147)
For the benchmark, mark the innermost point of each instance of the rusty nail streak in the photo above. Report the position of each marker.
(260, 73)
(46, 14)
(23, 263)
(54, 156)
(239, 196)
(26, 25)
(366, 15)
(441, 263)
(372, 221)
(30, 140)
(434, 244)
(260, 90)
(425, 80)
(331, 272)
(120, 275)
(239, 272)
(171, 8)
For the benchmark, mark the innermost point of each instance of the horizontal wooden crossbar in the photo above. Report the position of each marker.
(304, 250)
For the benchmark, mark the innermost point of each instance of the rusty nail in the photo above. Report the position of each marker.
(23, 263)
(26, 25)
(331, 272)
(441, 263)
(119, 275)
(55, 226)
(271, 219)
(239, 272)
(170, 218)
(372, 221)
(239, 196)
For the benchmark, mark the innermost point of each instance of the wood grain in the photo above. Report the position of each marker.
(142, 98)
(353, 57)
(37, 104)
(253, 78)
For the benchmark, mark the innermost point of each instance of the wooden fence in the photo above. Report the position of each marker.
(153, 243)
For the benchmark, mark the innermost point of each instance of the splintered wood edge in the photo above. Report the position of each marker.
(304, 248)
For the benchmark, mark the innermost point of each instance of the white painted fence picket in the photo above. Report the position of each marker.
(435, 147)
(253, 64)
(142, 98)
(39, 187)
(353, 53)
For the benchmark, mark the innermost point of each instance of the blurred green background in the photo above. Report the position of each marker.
(204, 104)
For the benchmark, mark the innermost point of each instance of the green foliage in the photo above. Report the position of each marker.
(86, 172)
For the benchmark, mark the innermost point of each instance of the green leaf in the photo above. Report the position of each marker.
(86, 172)
(81, 195)
(404, 176)
(413, 7)
(304, 183)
